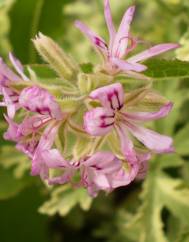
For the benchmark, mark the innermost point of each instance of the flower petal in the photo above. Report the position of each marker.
(122, 36)
(18, 66)
(7, 73)
(152, 140)
(111, 96)
(153, 51)
(109, 21)
(127, 146)
(42, 102)
(126, 66)
(99, 121)
(147, 116)
(96, 40)
(12, 132)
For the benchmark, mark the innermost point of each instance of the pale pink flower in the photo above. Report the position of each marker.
(112, 115)
(102, 171)
(39, 100)
(118, 47)
(45, 157)
(47, 112)
(8, 77)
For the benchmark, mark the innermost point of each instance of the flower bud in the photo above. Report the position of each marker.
(63, 64)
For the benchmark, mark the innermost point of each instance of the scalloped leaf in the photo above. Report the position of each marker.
(63, 199)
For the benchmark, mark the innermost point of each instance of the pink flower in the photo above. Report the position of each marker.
(114, 115)
(44, 157)
(118, 47)
(8, 77)
(37, 99)
(27, 134)
(104, 172)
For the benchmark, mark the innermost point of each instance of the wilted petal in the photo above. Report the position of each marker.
(42, 102)
(149, 116)
(152, 140)
(126, 66)
(111, 96)
(153, 51)
(98, 121)
(122, 36)
(143, 164)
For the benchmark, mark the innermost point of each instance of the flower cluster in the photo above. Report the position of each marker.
(85, 129)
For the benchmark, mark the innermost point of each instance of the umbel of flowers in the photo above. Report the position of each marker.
(86, 128)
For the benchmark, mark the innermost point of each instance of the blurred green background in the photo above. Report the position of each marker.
(156, 210)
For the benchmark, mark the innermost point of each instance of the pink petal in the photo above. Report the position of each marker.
(96, 40)
(48, 137)
(152, 140)
(111, 96)
(18, 66)
(103, 161)
(126, 66)
(127, 146)
(12, 132)
(7, 73)
(42, 102)
(98, 121)
(153, 51)
(109, 21)
(122, 36)
(32, 124)
(40, 161)
(147, 116)
(11, 107)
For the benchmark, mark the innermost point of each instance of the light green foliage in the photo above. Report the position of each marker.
(64, 199)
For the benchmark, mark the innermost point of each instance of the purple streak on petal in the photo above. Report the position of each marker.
(99, 121)
(42, 102)
(96, 40)
(111, 96)
(147, 116)
(153, 51)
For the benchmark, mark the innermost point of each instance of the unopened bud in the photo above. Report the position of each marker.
(63, 64)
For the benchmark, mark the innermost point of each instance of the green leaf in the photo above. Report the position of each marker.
(17, 161)
(9, 185)
(29, 17)
(182, 141)
(63, 199)
(159, 191)
(167, 69)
